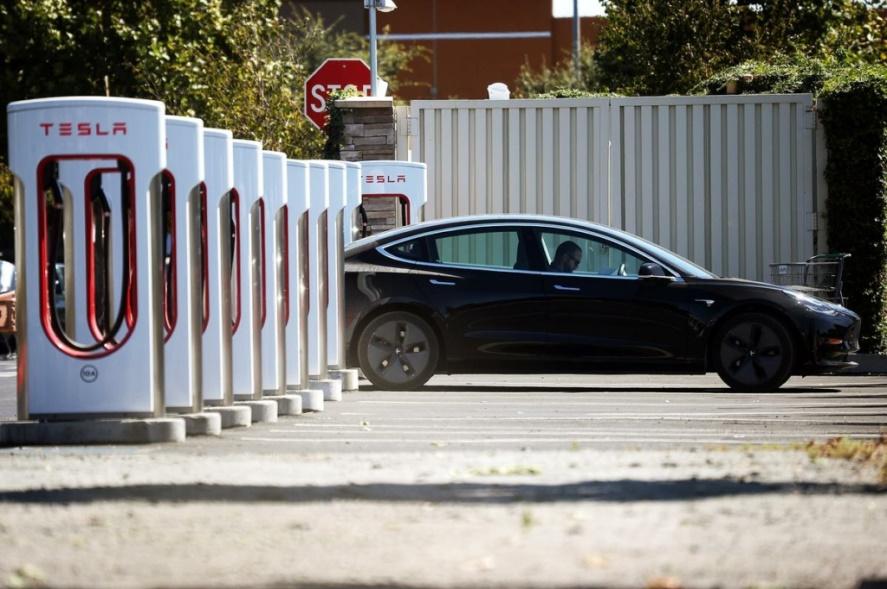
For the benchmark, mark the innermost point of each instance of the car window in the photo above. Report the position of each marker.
(410, 250)
(489, 248)
(572, 253)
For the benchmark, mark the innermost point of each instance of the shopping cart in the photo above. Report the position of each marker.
(821, 276)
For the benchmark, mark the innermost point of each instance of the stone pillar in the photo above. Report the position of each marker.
(369, 134)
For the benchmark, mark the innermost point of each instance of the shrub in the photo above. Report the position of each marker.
(854, 113)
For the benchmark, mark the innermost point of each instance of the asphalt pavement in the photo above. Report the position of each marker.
(550, 411)
(480, 480)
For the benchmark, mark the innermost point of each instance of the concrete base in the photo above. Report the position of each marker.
(348, 376)
(332, 389)
(262, 411)
(287, 404)
(312, 399)
(202, 424)
(233, 416)
(93, 431)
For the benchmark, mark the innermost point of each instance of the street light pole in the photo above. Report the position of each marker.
(576, 40)
(372, 6)
(374, 65)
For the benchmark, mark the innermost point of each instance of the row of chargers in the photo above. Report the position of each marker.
(169, 267)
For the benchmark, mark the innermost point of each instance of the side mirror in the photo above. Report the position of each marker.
(654, 273)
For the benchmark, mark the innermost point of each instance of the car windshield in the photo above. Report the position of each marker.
(681, 264)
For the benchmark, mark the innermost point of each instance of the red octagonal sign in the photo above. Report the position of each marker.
(333, 74)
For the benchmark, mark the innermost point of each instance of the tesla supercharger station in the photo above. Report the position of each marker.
(276, 248)
(406, 181)
(274, 180)
(351, 229)
(183, 225)
(110, 151)
(221, 199)
(336, 223)
(318, 287)
(297, 291)
(248, 280)
(335, 304)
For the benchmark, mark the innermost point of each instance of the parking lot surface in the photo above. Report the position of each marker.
(481, 480)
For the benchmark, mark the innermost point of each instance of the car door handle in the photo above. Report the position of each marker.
(441, 282)
(566, 288)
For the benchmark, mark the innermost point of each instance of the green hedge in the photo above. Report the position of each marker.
(335, 126)
(852, 102)
(854, 113)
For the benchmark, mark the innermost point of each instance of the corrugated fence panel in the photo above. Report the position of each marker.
(727, 181)
(548, 157)
(402, 138)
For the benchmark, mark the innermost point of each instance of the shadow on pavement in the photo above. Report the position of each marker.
(518, 389)
(863, 385)
(617, 491)
(874, 583)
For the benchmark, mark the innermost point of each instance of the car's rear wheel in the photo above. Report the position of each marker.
(753, 352)
(398, 351)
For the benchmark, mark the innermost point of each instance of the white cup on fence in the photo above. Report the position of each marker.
(498, 91)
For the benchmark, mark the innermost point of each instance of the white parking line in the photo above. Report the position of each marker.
(337, 428)
(662, 437)
(771, 407)
(755, 416)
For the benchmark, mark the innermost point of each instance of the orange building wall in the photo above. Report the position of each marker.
(463, 68)
(590, 28)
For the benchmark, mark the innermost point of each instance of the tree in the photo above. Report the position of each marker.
(233, 63)
(560, 79)
(669, 46)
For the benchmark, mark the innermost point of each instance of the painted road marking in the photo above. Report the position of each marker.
(608, 437)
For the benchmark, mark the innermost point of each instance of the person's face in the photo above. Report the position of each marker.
(572, 261)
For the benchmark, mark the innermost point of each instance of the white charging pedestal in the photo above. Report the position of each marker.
(275, 245)
(183, 273)
(406, 181)
(248, 282)
(92, 384)
(318, 262)
(336, 224)
(350, 230)
(221, 197)
(298, 291)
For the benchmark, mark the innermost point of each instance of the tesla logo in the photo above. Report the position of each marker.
(399, 179)
(89, 373)
(82, 129)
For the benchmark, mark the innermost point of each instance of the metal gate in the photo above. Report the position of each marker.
(726, 181)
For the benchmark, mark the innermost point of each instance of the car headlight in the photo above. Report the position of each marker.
(813, 304)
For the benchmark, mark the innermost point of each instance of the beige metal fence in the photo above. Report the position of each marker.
(729, 182)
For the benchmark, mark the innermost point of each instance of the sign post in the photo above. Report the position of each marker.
(332, 75)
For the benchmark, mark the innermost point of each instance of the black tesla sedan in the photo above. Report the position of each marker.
(519, 293)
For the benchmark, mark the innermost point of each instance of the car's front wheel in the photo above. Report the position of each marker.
(398, 351)
(753, 352)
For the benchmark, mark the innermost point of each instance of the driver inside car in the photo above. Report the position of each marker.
(567, 257)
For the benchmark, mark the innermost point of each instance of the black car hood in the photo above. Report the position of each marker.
(739, 282)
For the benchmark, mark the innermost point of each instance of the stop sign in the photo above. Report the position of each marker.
(333, 74)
